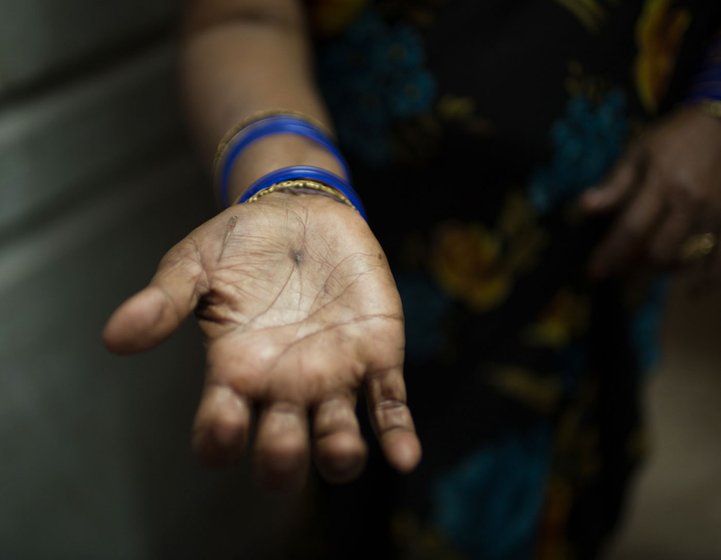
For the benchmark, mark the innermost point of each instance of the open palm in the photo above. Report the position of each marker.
(299, 310)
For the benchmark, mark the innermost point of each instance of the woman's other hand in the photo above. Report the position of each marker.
(299, 311)
(667, 190)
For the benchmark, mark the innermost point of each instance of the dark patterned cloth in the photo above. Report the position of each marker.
(472, 127)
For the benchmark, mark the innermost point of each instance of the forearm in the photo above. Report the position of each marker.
(245, 56)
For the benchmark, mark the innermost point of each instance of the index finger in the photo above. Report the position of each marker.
(629, 234)
(616, 187)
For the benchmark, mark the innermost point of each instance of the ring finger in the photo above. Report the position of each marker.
(340, 449)
(281, 446)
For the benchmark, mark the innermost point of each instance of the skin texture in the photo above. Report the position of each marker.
(293, 293)
(299, 312)
(665, 189)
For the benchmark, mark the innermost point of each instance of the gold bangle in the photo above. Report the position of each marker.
(302, 184)
(232, 132)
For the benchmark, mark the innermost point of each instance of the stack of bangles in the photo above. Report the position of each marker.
(314, 179)
(705, 91)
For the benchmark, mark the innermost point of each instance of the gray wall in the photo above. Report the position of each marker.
(95, 184)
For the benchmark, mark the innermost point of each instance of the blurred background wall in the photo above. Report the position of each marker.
(96, 182)
(675, 513)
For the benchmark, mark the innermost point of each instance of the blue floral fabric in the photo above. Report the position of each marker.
(587, 141)
(372, 76)
(490, 504)
(472, 128)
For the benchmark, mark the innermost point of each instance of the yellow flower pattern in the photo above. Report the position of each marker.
(566, 316)
(465, 261)
(331, 17)
(477, 265)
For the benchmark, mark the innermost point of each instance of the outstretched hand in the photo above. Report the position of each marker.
(668, 190)
(299, 311)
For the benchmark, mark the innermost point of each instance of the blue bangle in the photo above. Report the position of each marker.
(707, 82)
(269, 126)
(700, 94)
(305, 172)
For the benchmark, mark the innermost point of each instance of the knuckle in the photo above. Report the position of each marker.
(392, 413)
(332, 422)
(686, 194)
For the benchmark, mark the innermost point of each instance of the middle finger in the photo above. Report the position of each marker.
(628, 234)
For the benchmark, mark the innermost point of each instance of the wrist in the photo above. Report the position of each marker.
(281, 150)
(273, 153)
(314, 178)
(705, 91)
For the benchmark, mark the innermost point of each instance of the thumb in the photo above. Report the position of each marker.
(613, 190)
(153, 314)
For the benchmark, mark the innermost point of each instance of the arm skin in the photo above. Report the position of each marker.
(245, 56)
(293, 293)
